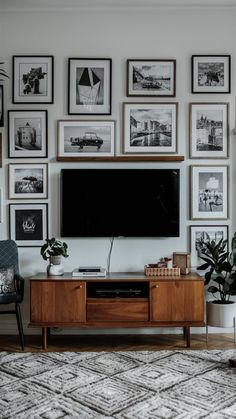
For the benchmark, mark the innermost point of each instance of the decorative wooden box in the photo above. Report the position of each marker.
(150, 271)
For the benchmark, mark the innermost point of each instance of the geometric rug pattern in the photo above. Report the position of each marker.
(124, 385)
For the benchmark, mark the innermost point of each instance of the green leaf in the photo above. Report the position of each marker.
(203, 267)
(212, 289)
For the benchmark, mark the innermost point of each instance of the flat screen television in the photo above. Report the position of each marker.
(120, 202)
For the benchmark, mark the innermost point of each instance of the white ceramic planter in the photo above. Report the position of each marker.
(221, 315)
(55, 267)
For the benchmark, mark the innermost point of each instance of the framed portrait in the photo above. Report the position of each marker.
(151, 77)
(209, 130)
(28, 224)
(211, 73)
(1, 205)
(150, 127)
(33, 79)
(28, 181)
(209, 189)
(27, 133)
(86, 138)
(1, 107)
(216, 232)
(89, 86)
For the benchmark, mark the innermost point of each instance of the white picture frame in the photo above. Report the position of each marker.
(209, 192)
(28, 181)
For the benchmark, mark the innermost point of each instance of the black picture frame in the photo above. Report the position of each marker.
(89, 86)
(211, 74)
(27, 70)
(1, 106)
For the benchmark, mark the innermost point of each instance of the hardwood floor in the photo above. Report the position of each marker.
(80, 343)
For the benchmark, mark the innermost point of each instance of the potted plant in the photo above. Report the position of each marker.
(52, 250)
(220, 278)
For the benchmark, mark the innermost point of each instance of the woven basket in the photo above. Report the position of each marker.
(161, 271)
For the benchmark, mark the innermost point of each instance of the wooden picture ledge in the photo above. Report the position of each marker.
(172, 158)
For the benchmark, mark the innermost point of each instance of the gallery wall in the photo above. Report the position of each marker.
(119, 34)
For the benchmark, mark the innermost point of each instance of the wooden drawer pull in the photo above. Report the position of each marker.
(156, 286)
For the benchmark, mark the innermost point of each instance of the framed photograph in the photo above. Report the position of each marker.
(150, 127)
(209, 189)
(1, 205)
(33, 79)
(86, 138)
(28, 224)
(151, 77)
(1, 150)
(89, 88)
(1, 107)
(211, 73)
(216, 232)
(28, 181)
(27, 134)
(209, 130)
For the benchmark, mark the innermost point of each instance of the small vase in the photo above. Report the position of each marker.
(55, 267)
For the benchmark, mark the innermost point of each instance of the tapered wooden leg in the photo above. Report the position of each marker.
(44, 338)
(184, 332)
(187, 336)
(232, 362)
(19, 325)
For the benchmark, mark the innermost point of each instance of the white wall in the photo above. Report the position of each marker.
(118, 34)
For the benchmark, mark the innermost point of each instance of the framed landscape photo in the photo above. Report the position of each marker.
(89, 86)
(1, 107)
(216, 232)
(28, 224)
(33, 79)
(150, 127)
(209, 189)
(27, 133)
(211, 73)
(86, 138)
(151, 77)
(209, 130)
(28, 181)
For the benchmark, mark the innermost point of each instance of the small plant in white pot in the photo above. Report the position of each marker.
(52, 250)
(221, 278)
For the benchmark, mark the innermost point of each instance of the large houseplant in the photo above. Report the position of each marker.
(220, 277)
(53, 249)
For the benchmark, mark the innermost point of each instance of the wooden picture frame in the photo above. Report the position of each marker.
(211, 73)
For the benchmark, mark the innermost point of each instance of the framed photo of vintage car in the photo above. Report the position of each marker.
(211, 73)
(28, 224)
(89, 86)
(33, 79)
(28, 181)
(151, 78)
(27, 133)
(86, 138)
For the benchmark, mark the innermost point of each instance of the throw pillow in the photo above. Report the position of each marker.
(7, 283)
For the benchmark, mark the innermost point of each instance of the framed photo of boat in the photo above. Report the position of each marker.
(209, 130)
(150, 128)
(86, 138)
(151, 78)
(33, 79)
(89, 86)
(211, 73)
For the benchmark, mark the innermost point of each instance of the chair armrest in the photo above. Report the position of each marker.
(20, 285)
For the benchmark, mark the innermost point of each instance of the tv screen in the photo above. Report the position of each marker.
(119, 202)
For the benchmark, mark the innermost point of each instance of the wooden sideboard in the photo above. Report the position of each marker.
(120, 300)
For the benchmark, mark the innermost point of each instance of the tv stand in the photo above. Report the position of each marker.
(121, 300)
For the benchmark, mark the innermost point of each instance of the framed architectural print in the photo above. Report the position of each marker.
(89, 86)
(150, 127)
(215, 232)
(209, 130)
(28, 181)
(86, 138)
(209, 192)
(211, 73)
(1, 107)
(27, 133)
(151, 77)
(33, 79)
(28, 224)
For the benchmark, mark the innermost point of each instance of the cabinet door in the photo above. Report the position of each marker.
(176, 300)
(57, 301)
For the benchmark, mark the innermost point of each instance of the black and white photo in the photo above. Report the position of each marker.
(209, 188)
(28, 224)
(89, 86)
(33, 79)
(1, 107)
(151, 77)
(0, 149)
(211, 73)
(27, 131)
(86, 138)
(209, 130)
(1, 205)
(204, 232)
(150, 127)
(28, 181)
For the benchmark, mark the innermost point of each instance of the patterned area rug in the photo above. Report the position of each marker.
(138, 385)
